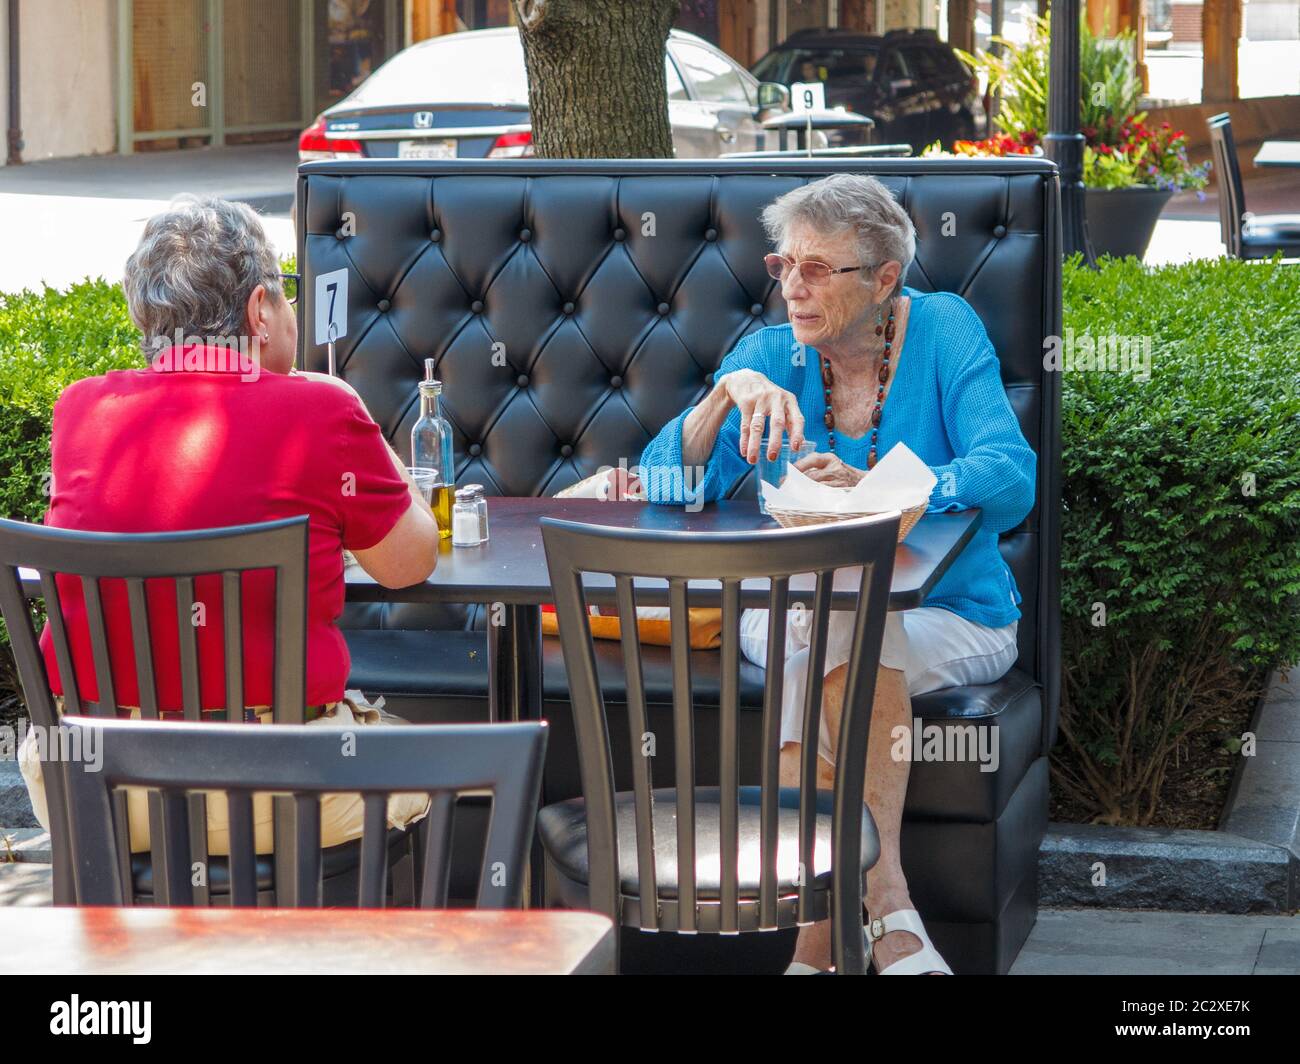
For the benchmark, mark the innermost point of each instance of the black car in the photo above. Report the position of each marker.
(909, 81)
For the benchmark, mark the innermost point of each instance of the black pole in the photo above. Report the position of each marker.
(14, 135)
(1064, 143)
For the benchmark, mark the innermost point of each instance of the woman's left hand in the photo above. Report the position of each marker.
(829, 469)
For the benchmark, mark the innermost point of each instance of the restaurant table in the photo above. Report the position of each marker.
(66, 940)
(1278, 153)
(509, 572)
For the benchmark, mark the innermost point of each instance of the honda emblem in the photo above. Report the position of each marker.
(423, 119)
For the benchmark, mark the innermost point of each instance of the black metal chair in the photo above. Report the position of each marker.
(725, 859)
(180, 556)
(1246, 235)
(175, 760)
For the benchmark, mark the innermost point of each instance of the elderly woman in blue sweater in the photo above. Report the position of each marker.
(865, 363)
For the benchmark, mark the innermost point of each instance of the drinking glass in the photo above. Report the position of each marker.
(772, 471)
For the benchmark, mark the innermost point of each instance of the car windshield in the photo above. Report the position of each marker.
(461, 68)
(835, 65)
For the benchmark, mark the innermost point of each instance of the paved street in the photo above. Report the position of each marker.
(72, 218)
(50, 210)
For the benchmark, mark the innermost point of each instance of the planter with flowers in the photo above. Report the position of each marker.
(1130, 169)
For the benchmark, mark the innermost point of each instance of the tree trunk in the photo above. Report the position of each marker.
(596, 84)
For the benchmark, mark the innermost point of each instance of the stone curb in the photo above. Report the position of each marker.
(1251, 864)
(1090, 866)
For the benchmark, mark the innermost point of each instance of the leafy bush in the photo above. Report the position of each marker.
(49, 339)
(1108, 81)
(1181, 523)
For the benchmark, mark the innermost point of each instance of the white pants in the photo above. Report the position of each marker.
(933, 647)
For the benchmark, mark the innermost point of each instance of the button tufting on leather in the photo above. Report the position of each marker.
(619, 234)
(756, 309)
(999, 231)
(525, 235)
(568, 308)
(708, 379)
(475, 449)
(566, 450)
(663, 308)
(710, 234)
(522, 380)
(616, 381)
(436, 235)
(384, 305)
(477, 306)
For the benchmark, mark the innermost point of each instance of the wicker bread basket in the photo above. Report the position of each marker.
(800, 518)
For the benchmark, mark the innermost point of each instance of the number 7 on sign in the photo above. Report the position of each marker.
(331, 304)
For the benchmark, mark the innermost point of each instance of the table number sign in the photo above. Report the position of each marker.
(331, 311)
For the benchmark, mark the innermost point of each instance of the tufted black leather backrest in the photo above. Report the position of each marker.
(575, 306)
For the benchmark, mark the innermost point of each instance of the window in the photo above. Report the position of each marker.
(893, 67)
(715, 78)
(841, 66)
(771, 66)
(676, 90)
(922, 62)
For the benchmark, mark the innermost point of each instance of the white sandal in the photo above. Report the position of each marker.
(923, 961)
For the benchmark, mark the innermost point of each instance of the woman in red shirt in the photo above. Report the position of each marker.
(221, 430)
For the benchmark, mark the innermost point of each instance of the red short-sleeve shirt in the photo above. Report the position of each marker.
(162, 450)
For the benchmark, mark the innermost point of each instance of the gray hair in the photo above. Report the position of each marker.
(195, 267)
(848, 202)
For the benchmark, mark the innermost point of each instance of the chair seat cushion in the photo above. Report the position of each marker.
(562, 828)
(1279, 229)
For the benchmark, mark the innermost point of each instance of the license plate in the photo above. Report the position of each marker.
(426, 149)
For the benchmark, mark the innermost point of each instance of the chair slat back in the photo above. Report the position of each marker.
(178, 759)
(719, 565)
(33, 557)
(1232, 194)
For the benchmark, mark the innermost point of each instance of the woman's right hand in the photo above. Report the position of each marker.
(763, 406)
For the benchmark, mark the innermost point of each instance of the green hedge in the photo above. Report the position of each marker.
(1181, 517)
(48, 340)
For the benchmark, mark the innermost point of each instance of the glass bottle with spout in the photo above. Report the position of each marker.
(433, 464)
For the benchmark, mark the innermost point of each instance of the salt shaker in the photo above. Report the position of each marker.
(480, 501)
(465, 520)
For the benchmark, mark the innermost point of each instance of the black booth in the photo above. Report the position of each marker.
(575, 306)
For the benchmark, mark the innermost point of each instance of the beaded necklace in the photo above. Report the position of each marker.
(828, 379)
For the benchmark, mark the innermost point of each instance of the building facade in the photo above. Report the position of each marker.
(83, 77)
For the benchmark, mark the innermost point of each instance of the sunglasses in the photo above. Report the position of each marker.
(290, 283)
(812, 271)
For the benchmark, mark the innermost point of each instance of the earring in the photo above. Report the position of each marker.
(880, 324)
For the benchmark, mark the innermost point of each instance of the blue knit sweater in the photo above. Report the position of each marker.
(947, 404)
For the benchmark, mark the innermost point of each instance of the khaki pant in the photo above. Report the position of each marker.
(341, 815)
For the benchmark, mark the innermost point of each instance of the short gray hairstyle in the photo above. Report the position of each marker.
(195, 267)
(855, 203)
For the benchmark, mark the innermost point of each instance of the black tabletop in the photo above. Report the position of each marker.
(1278, 153)
(511, 566)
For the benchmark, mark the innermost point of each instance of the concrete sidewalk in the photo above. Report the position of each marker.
(1063, 942)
